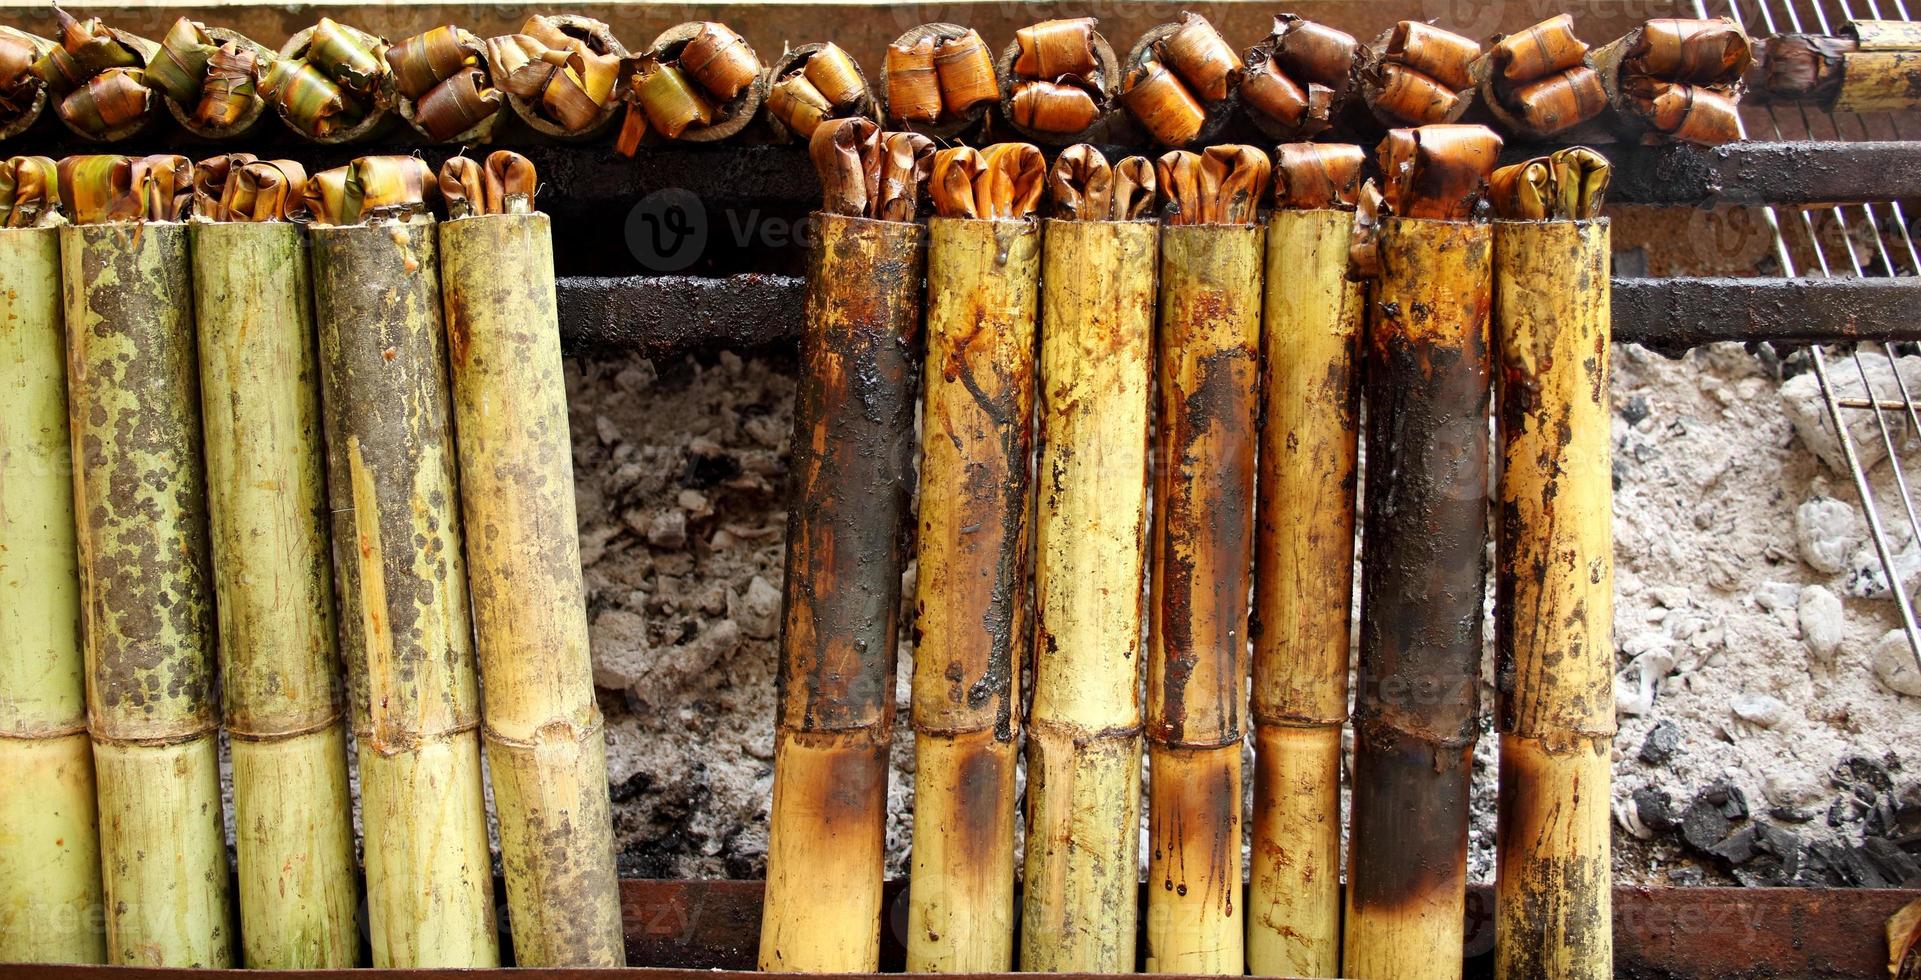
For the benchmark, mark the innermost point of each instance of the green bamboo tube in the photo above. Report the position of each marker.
(853, 472)
(405, 629)
(1203, 554)
(1554, 602)
(971, 619)
(1082, 873)
(266, 487)
(140, 497)
(542, 726)
(49, 840)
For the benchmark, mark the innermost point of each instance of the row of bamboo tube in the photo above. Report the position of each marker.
(222, 390)
(1059, 82)
(1069, 365)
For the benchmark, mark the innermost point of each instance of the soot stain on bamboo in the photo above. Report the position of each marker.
(143, 584)
(1524, 823)
(983, 772)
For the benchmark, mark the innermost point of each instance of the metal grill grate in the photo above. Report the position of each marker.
(1876, 241)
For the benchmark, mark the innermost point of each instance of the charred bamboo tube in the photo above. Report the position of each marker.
(23, 96)
(1208, 350)
(96, 77)
(1537, 82)
(1424, 536)
(1871, 66)
(405, 632)
(445, 86)
(1677, 80)
(331, 84)
(1417, 74)
(206, 77)
(1300, 78)
(562, 74)
(1182, 81)
(853, 467)
(146, 592)
(545, 747)
(1554, 582)
(939, 80)
(266, 488)
(812, 84)
(700, 83)
(1304, 564)
(49, 838)
(1058, 80)
(1082, 870)
(971, 616)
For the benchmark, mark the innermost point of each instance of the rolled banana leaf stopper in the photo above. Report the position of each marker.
(97, 76)
(1318, 176)
(29, 192)
(331, 83)
(445, 86)
(939, 79)
(239, 188)
(700, 83)
(1678, 80)
(101, 188)
(561, 73)
(208, 77)
(1538, 81)
(1438, 172)
(23, 96)
(812, 84)
(1180, 82)
(870, 174)
(504, 184)
(1566, 185)
(1419, 75)
(1221, 185)
(1058, 80)
(384, 188)
(1083, 187)
(1300, 77)
(1001, 181)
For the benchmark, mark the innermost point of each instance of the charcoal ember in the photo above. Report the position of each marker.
(1867, 777)
(1634, 410)
(1878, 863)
(1662, 743)
(1655, 809)
(1703, 826)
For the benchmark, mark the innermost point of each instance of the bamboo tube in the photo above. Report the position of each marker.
(562, 74)
(445, 86)
(206, 77)
(1182, 81)
(49, 841)
(811, 84)
(1869, 67)
(971, 617)
(1058, 80)
(1537, 83)
(147, 602)
(1082, 870)
(1299, 78)
(405, 632)
(1203, 552)
(331, 84)
(23, 96)
(96, 78)
(1676, 79)
(1417, 74)
(1554, 582)
(266, 487)
(939, 80)
(853, 463)
(715, 71)
(545, 747)
(1304, 571)
(1423, 581)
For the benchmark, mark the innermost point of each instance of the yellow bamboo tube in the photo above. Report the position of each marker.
(405, 631)
(1416, 714)
(266, 486)
(971, 620)
(1082, 872)
(49, 841)
(140, 497)
(1303, 584)
(1554, 602)
(545, 746)
(1209, 372)
(853, 467)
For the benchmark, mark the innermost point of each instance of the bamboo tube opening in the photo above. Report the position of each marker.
(95, 78)
(1058, 80)
(1182, 82)
(23, 96)
(719, 90)
(331, 84)
(563, 75)
(206, 77)
(446, 86)
(1299, 78)
(1537, 82)
(812, 84)
(939, 80)
(1868, 67)
(1417, 74)
(1677, 79)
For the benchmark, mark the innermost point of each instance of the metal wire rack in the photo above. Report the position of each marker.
(1875, 240)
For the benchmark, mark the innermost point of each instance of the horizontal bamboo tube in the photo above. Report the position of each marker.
(853, 470)
(971, 618)
(140, 497)
(1554, 602)
(49, 840)
(405, 632)
(1303, 584)
(1422, 589)
(1880, 81)
(1203, 552)
(260, 395)
(543, 729)
(1082, 870)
